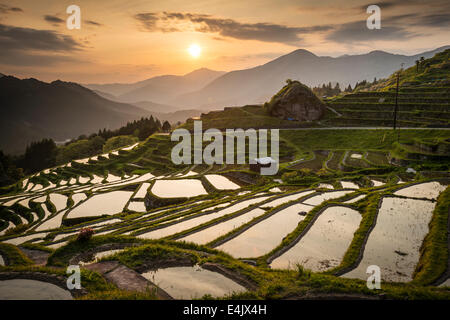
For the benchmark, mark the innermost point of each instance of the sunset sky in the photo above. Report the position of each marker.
(131, 40)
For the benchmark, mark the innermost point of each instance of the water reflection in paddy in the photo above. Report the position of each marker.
(192, 282)
(58, 200)
(267, 234)
(429, 190)
(178, 188)
(286, 199)
(316, 200)
(394, 243)
(100, 204)
(188, 224)
(138, 206)
(25, 289)
(221, 182)
(209, 234)
(324, 245)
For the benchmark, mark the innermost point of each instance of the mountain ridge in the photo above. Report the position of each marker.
(255, 85)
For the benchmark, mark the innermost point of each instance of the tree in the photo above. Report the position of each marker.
(39, 155)
(417, 66)
(166, 126)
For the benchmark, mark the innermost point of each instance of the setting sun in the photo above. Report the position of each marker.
(195, 50)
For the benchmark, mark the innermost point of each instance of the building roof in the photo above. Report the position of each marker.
(265, 160)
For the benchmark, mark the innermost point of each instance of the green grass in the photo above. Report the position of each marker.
(434, 250)
(14, 256)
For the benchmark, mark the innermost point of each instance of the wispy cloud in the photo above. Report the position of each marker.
(4, 9)
(33, 46)
(358, 32)
(54, 20)
(93, 23)
(228, 28)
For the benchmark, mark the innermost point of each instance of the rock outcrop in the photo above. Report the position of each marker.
(297, 102)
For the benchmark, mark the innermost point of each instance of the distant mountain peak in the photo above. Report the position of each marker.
(302, 52)
(202, 71)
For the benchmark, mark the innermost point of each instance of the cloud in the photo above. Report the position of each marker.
(32, 46)
(93, 23)
(4, 9)
(228, 28)
(357, 31)
(437, 20)
(54, 20)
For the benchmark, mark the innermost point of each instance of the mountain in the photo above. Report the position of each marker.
(256, 85)
(155, 107)
(161, 89)
(31, 110)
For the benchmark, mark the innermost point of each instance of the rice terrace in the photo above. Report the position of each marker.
(93, 205)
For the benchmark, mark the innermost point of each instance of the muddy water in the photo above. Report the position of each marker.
(267, 234)
(84, 179)
(324, 245)
(316, 200)
(188, 224)
(138, 206)
(112, 178)
(100, 255)
(286, 199)
(192, 282)
(52, 223)
(377, 183)
(349, 185)
(429, 190)
(395, 241)
(355, 199)
(20, 240)
(142, 191)
(24, 289)
(59, 201)
(222, 205)
(100, 204)
(78, 197)
(130, 147)
(325, 186)
(10, 225)
(97, 179)
(209, 234)
(178, 188)
(445, 284)
(221, 182)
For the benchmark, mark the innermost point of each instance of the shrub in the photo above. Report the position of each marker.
(118, 142)
(85, 234)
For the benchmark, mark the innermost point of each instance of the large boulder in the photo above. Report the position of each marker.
(297, 102)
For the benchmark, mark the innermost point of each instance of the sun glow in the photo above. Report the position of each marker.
(195, 50)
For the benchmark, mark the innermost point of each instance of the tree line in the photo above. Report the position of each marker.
(45, 153)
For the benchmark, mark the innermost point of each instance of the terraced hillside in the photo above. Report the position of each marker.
(423, 100)
(309, 231)
(420, 106)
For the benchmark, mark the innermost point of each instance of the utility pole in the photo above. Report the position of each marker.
(396, 102)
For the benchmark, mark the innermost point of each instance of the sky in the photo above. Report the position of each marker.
(131, 40)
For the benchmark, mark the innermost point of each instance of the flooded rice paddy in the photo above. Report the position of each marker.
(185, 188)
(267, 234)
(24, 289)
(106, 203)
(394, 243)
(325, 243)
(221, 182)
(192, 282)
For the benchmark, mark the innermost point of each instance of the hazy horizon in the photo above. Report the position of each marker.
(128, 41)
